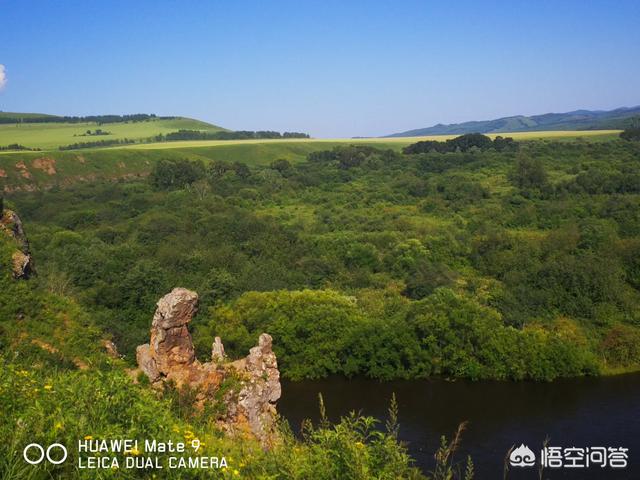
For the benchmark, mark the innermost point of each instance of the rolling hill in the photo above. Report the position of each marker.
(45, 131)
(577, 120)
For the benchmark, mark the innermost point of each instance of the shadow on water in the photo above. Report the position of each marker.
(587, 412)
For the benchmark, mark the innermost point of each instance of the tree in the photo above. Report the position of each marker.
(168, 174)
(282, 165)
(631, 134)
(241, 170)
(528, 173)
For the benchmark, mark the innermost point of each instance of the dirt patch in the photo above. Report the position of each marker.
(24, 171)
(46, 164)
(3, 174)
(44, 345)
(29, 187)
(121, 165)
(81, 159)
(79, 178)
(51, 349)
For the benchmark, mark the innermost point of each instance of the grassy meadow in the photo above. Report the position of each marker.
(49, 136)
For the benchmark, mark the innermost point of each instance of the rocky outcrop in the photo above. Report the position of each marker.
(11, 225)
(261, 390)
(249, 405)
(111, 349)
(171, 345)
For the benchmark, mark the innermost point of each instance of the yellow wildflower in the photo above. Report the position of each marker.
(48, 387)
(88, 437)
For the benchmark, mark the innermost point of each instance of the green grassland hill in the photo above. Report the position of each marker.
(48, 132)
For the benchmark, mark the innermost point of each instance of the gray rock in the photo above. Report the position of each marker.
(171, 343)
(217, 351)
(170, 356)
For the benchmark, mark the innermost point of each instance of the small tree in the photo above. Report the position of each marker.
(631, 134)
(528, 173)
(282, 165)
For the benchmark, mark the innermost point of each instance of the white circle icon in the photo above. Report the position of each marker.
(64, 453)
(29, 447)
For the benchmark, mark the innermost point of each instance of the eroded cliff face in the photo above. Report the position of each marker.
(22, 262)
(249, 406)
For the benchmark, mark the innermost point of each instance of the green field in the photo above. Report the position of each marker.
(48, 136)
(24, 170)
(393, 142)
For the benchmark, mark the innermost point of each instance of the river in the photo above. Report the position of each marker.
(585, 412)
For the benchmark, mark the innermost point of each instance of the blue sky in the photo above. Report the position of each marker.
(330, 68)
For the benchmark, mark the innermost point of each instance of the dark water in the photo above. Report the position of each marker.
(591, 412)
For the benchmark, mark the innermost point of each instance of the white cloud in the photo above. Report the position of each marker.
(3, 76)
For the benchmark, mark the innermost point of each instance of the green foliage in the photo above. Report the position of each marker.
(168, 174)
(529, 173)
(621, 345)
(340, 256)
(631, 134)
(63, 406)
(463, 143)
(97, 143)
(462, 338)
(312, 328)
(225, 135)
(446, 466)
(479, 264)
(99, 119)
(322, 332)
(56, 387)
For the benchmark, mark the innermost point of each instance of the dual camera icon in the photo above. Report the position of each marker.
(34, 453)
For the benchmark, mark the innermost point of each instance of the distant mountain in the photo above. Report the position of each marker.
(577, 120)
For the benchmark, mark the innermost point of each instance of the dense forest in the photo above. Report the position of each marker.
(226, 135)
(97, 143)
(16, 146)
(506, 263)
